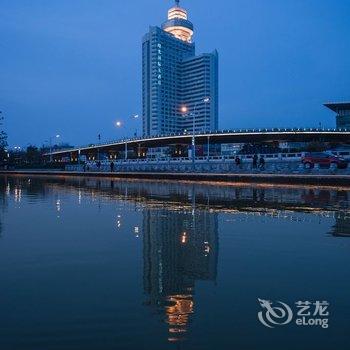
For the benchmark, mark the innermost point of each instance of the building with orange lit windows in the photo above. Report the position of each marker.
(179, 89)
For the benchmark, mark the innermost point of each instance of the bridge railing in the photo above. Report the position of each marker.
(222, 168)
(274, 163)
(273, 157)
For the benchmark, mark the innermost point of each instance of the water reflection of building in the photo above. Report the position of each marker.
(178, 249)
(4, 194)
(342, 224)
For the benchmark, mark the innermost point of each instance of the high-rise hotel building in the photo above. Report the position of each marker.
(177, 85)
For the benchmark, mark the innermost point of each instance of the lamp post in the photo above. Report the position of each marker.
(17, 154)
(50, 143)
(119, 124)
(79, 159)
(184, 110)
(208, 146)
(134, 117)
(98, 149)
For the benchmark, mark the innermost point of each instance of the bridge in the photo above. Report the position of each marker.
(113, 148)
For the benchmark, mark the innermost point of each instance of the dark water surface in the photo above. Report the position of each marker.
(88, 263)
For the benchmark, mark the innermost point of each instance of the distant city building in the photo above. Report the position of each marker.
(177, 85)
(343, 113)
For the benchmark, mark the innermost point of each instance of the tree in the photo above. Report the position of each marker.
(3, 141)
(33, 155)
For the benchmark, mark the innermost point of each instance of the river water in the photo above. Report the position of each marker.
(90, 263)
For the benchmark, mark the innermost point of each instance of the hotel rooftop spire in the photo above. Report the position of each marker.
(175, 79)
(177, 24)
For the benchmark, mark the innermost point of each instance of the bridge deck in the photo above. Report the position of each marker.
(235, 136)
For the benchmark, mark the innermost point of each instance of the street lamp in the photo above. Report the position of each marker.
(17, 154)
(184, 109)
(98, 149)
(119, 124)
(57, 136)
(134, 117)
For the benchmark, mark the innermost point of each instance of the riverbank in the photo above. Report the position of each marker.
(304, 179)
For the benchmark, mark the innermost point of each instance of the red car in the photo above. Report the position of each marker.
(323, 159)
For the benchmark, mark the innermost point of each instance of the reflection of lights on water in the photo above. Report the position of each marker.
(178, 312)
(8, 189)
(119, 221)
(184, 238)
(245, 216)
(58, 205)
(136, 231)
(206, 248)
(79, 196)
(18, 195)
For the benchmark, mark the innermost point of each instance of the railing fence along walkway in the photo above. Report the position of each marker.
(274, 163)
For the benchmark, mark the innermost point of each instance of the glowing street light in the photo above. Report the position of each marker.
(119, 124)
(184, 109)
(135, 117)
(57, 136)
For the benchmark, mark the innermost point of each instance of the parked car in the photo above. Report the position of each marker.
(323, 159)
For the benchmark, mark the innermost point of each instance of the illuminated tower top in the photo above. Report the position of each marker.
(178, 24)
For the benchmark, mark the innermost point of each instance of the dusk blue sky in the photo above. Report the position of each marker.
(74, 67)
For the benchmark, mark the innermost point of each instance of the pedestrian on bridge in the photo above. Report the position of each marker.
(238, 162)
(255, 161)
(262, 163)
